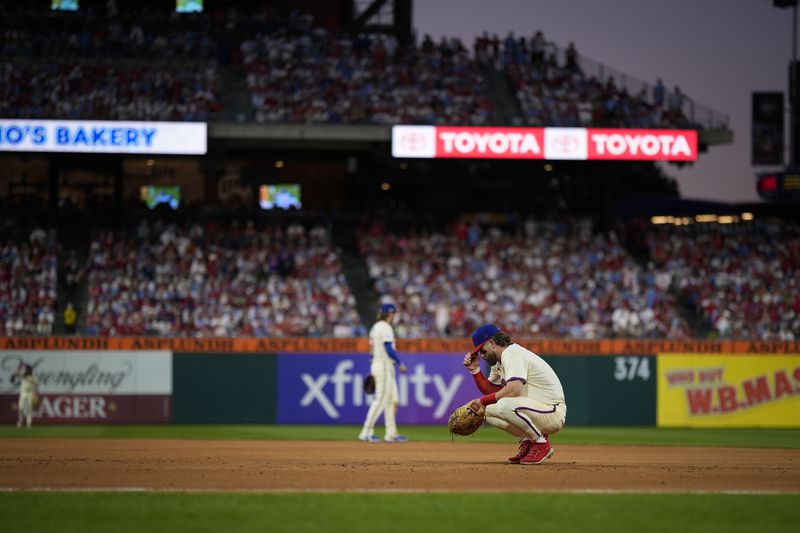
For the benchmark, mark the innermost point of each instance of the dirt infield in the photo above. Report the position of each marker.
(415, 466)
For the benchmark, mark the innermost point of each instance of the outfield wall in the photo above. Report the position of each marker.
(319, 381)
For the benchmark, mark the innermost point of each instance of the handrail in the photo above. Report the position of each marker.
(697, 113)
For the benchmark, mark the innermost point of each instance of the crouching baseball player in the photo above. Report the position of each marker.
(522, 396)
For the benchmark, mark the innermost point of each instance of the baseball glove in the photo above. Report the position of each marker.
(467, 419)
(36, 401)
(369, 384)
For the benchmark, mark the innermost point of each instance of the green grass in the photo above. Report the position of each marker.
(184, 512)
(401, 513)
(758, 438)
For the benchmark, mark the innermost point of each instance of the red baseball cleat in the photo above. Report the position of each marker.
(524, 448)
(539, 453)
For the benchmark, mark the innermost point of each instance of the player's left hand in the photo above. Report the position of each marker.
(402, 368)
(467, 419)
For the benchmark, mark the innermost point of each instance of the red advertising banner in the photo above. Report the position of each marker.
(490, 143)
(24, 345)
(544, 143)
(643, 145)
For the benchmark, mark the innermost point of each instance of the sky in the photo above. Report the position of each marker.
(717, 51)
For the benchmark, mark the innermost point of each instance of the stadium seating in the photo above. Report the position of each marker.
(94, 90)
(28, 284)
(218, 280)
(555, 279)
(143, 64)
(743, 278)
(553, 92)
(146, 62)
(316, 76)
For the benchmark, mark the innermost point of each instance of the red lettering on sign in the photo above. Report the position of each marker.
(727, 399)
(684, 376)
(783, 386)
(757, 390)
(699, 401)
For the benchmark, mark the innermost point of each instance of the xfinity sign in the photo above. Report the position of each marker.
(544, 143)
(108, 137)
(317, 388)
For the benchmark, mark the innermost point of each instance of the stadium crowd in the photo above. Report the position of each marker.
(28, 284)
(73, 90)
(131, 33)
(744, 279)
(141, 63)
(218, 280)
(552, 279)
(545, 279)
(557, 92)
(312, 75)
(150, 63)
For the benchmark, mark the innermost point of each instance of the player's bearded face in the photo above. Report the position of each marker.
(488, 354)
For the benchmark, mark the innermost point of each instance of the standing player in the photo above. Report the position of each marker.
(384, 360)
(523, 395)
(28, 388)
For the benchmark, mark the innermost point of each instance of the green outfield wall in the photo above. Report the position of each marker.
(608, 390)
(243, 388)
(666, 383)
(223, 388)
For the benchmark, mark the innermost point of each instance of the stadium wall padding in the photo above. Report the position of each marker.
(325, 388)
(315, 388)
(223, 388)
(608, 390)
(318, 381)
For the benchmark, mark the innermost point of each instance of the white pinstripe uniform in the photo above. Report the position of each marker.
(541, 409)
(383, 369)
(28, 387)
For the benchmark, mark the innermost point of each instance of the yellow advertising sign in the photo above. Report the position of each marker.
(728, 391)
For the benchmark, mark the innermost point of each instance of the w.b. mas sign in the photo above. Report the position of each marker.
(103, 137)
(544, 143)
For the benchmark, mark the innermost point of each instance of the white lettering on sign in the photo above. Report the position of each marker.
(497, 143)
(661, 145)
(543, 143)
(64, 407)
(418, 380)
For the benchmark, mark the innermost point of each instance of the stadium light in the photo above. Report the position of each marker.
(706, 218)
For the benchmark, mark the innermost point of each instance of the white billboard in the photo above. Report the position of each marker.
(89, 372)
(103, 137)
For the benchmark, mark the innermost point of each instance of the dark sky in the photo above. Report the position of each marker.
(717, 51)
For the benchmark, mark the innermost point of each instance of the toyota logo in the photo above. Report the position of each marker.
(565, 144)
(413, 142)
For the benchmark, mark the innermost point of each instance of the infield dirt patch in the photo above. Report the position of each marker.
(415, 466)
